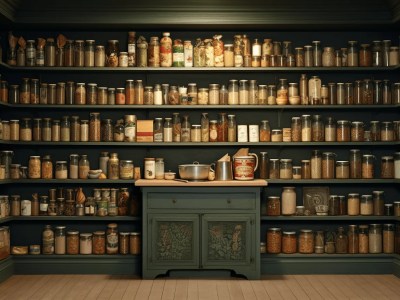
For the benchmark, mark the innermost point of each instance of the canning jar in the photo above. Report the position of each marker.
(365, 56)
(34, 167)
(317, 128)
(288, 200)
(343, 133)
(72, 242)
(316, 164)
(394, 56)
(375, 131)
(99, 56)
(366, 205)
(282, 92)
(314, 90)
(341, 241)
(387, 132)
(135, 243)
(274, 240)
(340, 93)
(352, 54)
(330, 130)
(388, 238)
(25, 130)
(355, 163)
(328, 57)
(353, 239)
(99, 243)
(271, 99)
(306, 241)
(342, 169)
(378, 198)
(306, 131)
(112, 52)
(112, 238)
(317, 53)
(375, 238)
(285, 170)
(363, 240)
(387, 167)
(377, 54)
(328, 165)
(308, 56)
(368, 166)
(273, 206)
(274, 168)
(296, 129)
(289, 242)
(397, 165)
(353, 204)
(357, 131)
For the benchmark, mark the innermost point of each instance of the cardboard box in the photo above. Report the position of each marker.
(144, 131)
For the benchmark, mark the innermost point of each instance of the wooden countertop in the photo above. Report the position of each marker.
(238, 183)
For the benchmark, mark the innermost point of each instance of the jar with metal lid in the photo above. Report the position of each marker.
(168, 130)
(343, 133)
(60, 240)
(271, 99)
(273, 206)
(308, 56)
(386, 52)
(296, 129)
(61, 170)
(353, 239)
(99, 243)
(332, 93)
(355, 163)
(294, 97)
(15, 171)
(314, 90)
(306, 241)
(83, 167)
(306, 131)
(388, 209)
(340, 93)
(368, 166)
(342, 169)
(14, 130)
(112, 238)
(47, 167)
(113, 166)
(353, 204)
(289, 242)
(274, 168)
(317, 129)
(65, 133)
(72, 242)
(330, 130)
(333, 206)
(363, 239)
(274, 240)
(396, 208)
(388, 238)
(80, 94)
(328, 165)
(123, 59)
(149, 168)
(328, 57)
(79, 53)
(75, 129)
(305, 169)
(394, 56)
(188, 54)
(378, 198)
(55, 131)
(387, 132)
(276, 135)
(111, 96)
(107, 130)
(352, 54)
(365, 56)
(378, 93)
(375, 131)
(99, 56)
(85, 243)
(25, 130)
(316, 164)
(285, 170)
(15, 206)
(282, 97)
(135, 243)
(141, 53)
(69, 55)
(34, 167)
(265, 132)
(375, 238)
(387, 167)
(288, 200)
(124, 242)
(377, 54)
(357, 131)
(348, 93)
(341, 241)
(91, 94)
(95, 127)
(397, 165)
(366, 205)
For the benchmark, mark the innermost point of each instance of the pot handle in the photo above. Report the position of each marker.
(255, 155)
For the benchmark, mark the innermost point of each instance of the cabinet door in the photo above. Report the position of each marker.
(228, 240)
(173, 241)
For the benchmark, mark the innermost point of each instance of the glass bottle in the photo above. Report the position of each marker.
(368, 166)
(84, 167)
(185, 129)
(317, 54)
(303, 86)
(352, 55)
(30, 53)
(69, 56)
(158, 130)
(222, 127)
(385, 52)
(341, 241)
(167, 133)
(89, 53)
(233, 92)
(205, 127)
(159, 173)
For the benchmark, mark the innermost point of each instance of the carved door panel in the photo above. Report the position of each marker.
(227, 240)
(173, 241)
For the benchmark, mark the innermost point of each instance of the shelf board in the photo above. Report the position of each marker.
(196, 107)
(329, 218)
(325, 255)
(75, 218)
(77, 256)
(197, 69)
(6, 220)
(68, 181)
(201, 144)
(332, 181)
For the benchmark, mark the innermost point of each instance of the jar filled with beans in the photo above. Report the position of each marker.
(357, 131)
(368, 166)
(328, 165)
(274, 240)
(343, 131)
(99, 242)
(387, 167)
(73, 242)
(387, 132)
(289, 242)
(342, 169)
(306, 241)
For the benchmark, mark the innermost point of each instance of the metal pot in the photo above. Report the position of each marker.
(194, 171)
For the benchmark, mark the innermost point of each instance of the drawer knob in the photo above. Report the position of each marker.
(229, 201)
(174, 201)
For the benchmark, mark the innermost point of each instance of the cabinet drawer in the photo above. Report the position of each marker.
(202, 201)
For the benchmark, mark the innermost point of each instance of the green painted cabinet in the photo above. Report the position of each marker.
(201, 228)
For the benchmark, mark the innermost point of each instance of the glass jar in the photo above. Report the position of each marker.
(296, 129)
(135, 243)
(159, 168)
(282, 92)
(95, 127)
(341, 241)
(306, 241)
(289, 242)
(305, 169)
(222, 128)
(80, 94)
(377, 60)
(306, 131)
(314, 90)
(317, 127)
(365, 56)
(357, 131)
(375, 131)
(294, 97)
(397, 165)
(112, 238)
(328, 165)
(375, 238)
(388, 238)
(85, 243)
(342, 169)
(274, 168)
(72, 242)
(394, 56)
(363, 239)
(387, 167)
(274, 240)
(316, 164)
(48, 240)
(265, 131)
(288, 200)
(112, 52)
(378, 199)
(368, 166)
(285, 171)
(328, 57)
(330, 130)
(343, 133)
(352, 54)
(387, 132)
(99, 56)
(273, 206)
(366, 205)
(99, 243)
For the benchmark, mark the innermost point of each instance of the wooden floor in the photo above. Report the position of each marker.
(270, 287)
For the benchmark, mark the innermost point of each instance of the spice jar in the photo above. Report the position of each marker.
(306, 241)
(274, 240)
(289, 242)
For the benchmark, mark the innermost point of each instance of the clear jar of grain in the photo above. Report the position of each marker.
(387, 167)
(368, 166)
(375, 131)
(296, 129)
(276, 135)
(387, 132)
(357, 131)
(342, 169)
(288, 201)
(375, 238)
(317, 129)
(388, 238)
(274, 240)
(343, 131)
(65, 135)
(306, 128)
(330, 130)
(366, 205)
(353, 204)
(328, 165)
(285, 170)
(363, 239)
(274, 168)
(355, 163)
(378, 199)
(25, 130)
(316, 164)
(305, 169)
(306, 241)
(265, 131)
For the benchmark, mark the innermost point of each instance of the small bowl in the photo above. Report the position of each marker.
(94, 172)
(94, 175)
(169, 175)
(321, 210)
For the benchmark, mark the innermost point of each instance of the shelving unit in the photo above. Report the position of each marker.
(176, 153)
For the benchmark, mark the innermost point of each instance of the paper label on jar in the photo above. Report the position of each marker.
(43, 206)
(130, 131)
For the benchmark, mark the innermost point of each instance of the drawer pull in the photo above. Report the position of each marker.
(229, 201)
(174, 201)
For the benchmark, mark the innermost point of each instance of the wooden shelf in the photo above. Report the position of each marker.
(76, 218)
(344, 218)
(332, 181)
(69, 181)
(173, 183)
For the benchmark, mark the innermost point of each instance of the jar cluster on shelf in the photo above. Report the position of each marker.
(307, 128)
(78, 167)
(237, 92)
(324, 165)
(353, 204)
(61, 240)
(359, 239)
(72, 202)
(242, 51)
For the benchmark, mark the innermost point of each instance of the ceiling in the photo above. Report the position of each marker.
(203, 14)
